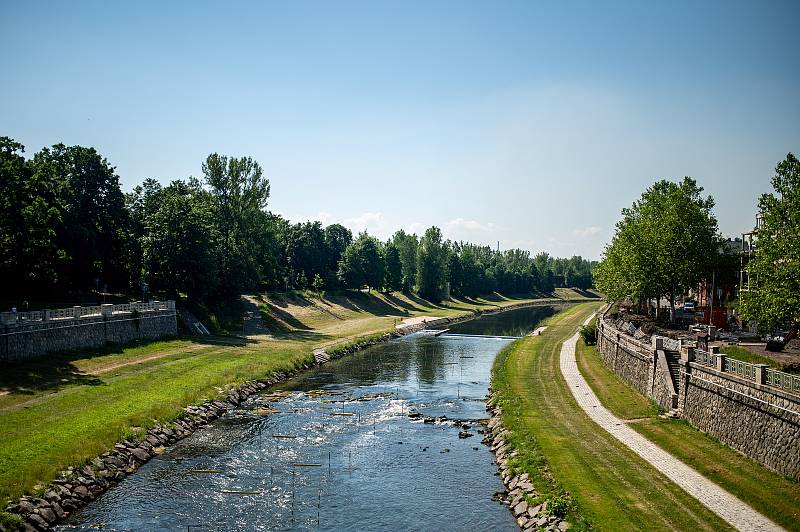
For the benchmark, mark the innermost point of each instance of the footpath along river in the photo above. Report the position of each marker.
(343, 447)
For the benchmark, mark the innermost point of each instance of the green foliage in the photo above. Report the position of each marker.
(362, 263)
(240, 192)
(589, 333)
(431, 265)
(774, 271)
(407, 248)
(9, 521)
(666, 242)
(71, 231)
(394, 267)
(318, 284)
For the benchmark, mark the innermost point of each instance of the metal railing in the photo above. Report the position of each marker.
(780, 379)
(705, 358)
(740, 368)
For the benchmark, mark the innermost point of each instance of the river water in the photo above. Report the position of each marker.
(336, 448)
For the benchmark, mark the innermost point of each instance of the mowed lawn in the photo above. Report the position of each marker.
(66, 409)
(566, 452)
(773, 495)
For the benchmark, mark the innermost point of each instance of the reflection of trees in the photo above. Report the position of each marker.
(429, 357)
(516, 322)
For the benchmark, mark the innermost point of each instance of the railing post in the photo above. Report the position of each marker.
(688, 354)
(761, 373)
(720, 361)
(107, 310)
(76, 311)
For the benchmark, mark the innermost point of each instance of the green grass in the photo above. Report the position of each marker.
(63, 410)
(773, 495)
(740, 353)
(565, 452)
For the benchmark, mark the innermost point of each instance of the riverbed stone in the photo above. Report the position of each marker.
(140, 454)
(47, 514)
(38, 522)
(521, 508)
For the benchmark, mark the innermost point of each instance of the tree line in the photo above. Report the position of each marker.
(67, 228)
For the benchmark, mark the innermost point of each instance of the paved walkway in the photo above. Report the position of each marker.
(719, 501)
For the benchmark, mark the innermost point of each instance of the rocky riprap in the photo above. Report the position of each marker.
(76, 487)
(519, 488)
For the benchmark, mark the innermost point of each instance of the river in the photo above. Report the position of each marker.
(342, 447)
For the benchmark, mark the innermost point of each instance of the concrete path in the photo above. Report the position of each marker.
(719, 501)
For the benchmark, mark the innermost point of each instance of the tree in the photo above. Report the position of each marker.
(431, 265)
(318, 284)
(306, 250)
(240, 191)
(362, 263)
(407, 247)
(95, 229)
(31, 262)
(774, 270)
(666, 242)
(337, 238)
(394, 268)
(180, 246)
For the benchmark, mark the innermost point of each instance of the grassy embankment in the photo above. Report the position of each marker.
(563, 450)
(64, 409)
(771, 494)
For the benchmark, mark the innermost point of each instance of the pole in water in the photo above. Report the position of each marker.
(329, 463)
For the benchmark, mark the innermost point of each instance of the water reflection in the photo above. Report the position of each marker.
(333, 450)
(518, 322)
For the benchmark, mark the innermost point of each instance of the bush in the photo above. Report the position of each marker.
(9, 521)
(589, 334)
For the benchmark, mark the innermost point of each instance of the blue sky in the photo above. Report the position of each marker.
(530, 123)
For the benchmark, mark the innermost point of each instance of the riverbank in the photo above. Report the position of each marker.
(596, 481)
(74, 423)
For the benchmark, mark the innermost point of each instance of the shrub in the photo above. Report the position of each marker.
(589, 334)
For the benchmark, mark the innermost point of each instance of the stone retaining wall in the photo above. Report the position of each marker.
(24, 341)
(758, 420)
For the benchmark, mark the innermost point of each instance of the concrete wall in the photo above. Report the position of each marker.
(24, 341)
(759, 420)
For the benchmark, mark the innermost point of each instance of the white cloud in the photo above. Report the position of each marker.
(369, 221)
(460, 224)
(586, 231)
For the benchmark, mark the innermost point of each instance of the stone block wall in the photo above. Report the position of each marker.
(24, 341)
(627, 358)
(758, 420)
(663, 389)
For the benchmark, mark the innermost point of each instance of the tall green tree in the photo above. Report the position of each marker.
(666, 242)
(394, 267)
(181, 243)
(337, 238)
(240, 192)
(95, 228)
(432, 265)
(362, 263)
(31, 261)
(773, 299)
(406, 245)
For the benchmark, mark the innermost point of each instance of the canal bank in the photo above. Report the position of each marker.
(595, 480)
(78, 486)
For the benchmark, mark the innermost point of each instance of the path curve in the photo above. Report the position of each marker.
(719, 501)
